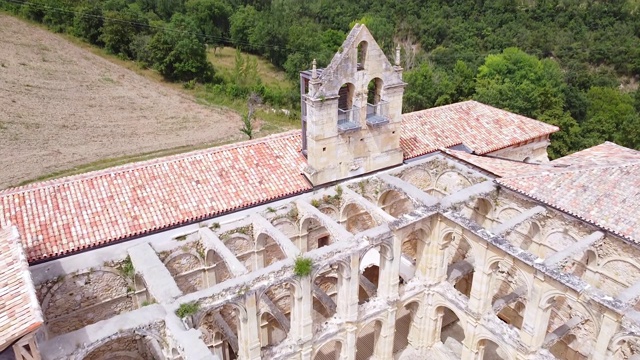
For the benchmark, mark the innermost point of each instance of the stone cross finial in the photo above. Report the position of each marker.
(398, 55)
(314, 72)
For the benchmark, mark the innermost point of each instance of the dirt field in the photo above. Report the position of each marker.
(62, 106)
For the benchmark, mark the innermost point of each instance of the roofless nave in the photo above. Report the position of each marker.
(444, 233)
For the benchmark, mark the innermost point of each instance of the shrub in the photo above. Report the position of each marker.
(187, 309)
(303, 267)
(127, 268)
(315, 203)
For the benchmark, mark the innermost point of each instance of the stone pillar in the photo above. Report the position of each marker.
(433, 322)
(348, 351)
(348, 290)
(249, 330)
(384, 345)
(390, 270)
(608, 329)
(536, 316)
(301, 315)
(480, 297)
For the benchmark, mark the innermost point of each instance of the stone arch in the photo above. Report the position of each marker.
(492, 349)
(419, 178)
(374, 92)
(287, 227)
(404, 323)
(361, 54)
(102, 293)
(243, 247)
(459, 260)
(131, 342)
(586, 328)
(272, 250)
(395, 203)
(624, 346)
(412, 248)
(451, 181)
(346, 95)
(617, 273)
(370, 261)
(451, 332)
(556, 240)
(367, 341)
(329, 350)
(356, 218)
(217, 268)
(186, 269)
(507, 213)
(509, 290)
(271, 331)
(313, 233)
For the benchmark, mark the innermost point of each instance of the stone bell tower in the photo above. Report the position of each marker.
(351, 111)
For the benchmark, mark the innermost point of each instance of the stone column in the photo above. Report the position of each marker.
(249, 330)
(480, 297)
(348, 288)
(536, 316)
(301, 315)
(608, 329)
(384, 345)
(348, 351)
(433, 322)
(390, 270)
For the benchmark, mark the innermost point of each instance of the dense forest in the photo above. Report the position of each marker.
(572, 63)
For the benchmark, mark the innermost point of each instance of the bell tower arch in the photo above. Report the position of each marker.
(351, 111)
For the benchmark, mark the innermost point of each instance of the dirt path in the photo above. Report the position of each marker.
(62, 106)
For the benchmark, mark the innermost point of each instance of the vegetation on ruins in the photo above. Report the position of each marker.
(303, 266)
(126, 268)
(571, 63)
(187, 309)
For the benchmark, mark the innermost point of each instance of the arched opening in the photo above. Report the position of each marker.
(404, 322)
(127, 347)
(395, 203)
(348, 114)
(412, 247)
(361, 55)
(313, 235)
(626, 349)
(482, 208)
(565, 321)
(492, 351)
(367, 340)
(369, 275)
(374, 91)
(460, 264)
(215, 269)
(329, 351)
(271, 332)
(509, 292)
(220, 329)
(356, 219)
(451, 331)
(267, 251)
(186, 268)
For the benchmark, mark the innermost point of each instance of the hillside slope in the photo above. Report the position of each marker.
(63, 106)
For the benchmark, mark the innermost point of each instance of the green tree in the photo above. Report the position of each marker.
(611, 116)
(120, 28)
(242, 24)
(88, 22)
(421, 89)
(178, 54)
(212, 19)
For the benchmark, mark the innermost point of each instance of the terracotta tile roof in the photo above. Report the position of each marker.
(607, 153)
(20, 312)
(498, 167)
(66, 215)
(480, 127)
(605, 195)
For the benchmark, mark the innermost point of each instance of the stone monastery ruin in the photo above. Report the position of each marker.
(440, 234)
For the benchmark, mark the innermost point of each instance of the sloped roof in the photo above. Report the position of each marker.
(607, 153)
(20, 312)
(480, 127)
(605, 195)
(66, 215)
(498, 167)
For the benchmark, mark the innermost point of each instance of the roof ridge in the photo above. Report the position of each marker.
(576, 168)
(145, 163)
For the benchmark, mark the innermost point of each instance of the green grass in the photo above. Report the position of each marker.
(303, 267)
(224, 61)
(187, 309)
